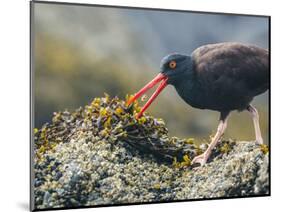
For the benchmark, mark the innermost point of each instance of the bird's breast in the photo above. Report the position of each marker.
(207, 98)
(192, 94)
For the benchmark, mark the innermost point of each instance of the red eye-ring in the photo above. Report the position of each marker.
(172, 64)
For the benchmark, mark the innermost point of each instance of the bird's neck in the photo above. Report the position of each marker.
(187, 82)
(189, 88)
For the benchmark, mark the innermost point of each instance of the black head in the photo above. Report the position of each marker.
(175, 65)
(173, 68)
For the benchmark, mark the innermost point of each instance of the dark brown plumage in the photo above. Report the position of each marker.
(232, 68)
(222, 77)
(226, 76)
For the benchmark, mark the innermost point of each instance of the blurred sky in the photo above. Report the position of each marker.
(115, 30)
(89, 42)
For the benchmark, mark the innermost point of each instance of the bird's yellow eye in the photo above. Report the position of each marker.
(172, 64)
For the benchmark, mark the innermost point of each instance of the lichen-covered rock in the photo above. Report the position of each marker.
(101, 154)
(241, 172)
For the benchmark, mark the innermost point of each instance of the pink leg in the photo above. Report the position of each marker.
(202, 159)
(255, 116)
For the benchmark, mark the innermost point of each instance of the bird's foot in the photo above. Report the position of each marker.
(259, 141)
(202, 159)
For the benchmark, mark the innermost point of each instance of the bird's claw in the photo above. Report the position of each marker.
(201, 159)
(259, 141)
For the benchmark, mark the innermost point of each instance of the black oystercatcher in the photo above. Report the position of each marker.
(221, 77)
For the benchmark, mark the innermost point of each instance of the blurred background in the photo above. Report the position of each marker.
(82, 52)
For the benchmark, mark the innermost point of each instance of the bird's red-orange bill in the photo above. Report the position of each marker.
(159, 78)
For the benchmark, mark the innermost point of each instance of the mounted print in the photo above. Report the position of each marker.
(138, 105)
